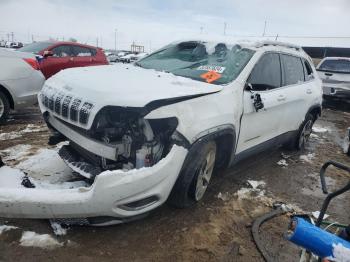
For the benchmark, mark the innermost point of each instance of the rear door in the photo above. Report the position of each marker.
(298, 91)
(61, 59)
(262, 125)
(83, 56)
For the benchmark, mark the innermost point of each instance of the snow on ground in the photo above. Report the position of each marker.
(10, 135)
(16, 134)
(282, 163)
(10, 177)
(17, 152)
(4, 228)
(320, 129)
(254, 191)
(255, 184)
(45, 241)
(307, 158)
(58, 229)
(340, 253)
(45, 169)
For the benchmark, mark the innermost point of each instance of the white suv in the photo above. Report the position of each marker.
(155, 130)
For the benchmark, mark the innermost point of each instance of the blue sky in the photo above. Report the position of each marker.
(154, 23)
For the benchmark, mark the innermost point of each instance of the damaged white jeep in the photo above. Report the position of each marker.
(154, 131)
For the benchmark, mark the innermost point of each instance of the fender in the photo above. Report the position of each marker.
(317, 108)
(225, 137)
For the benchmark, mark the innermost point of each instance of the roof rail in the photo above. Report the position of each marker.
(277, 43)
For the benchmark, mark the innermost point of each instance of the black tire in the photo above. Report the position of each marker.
(185, 191)
(299, 141)
(4, 107)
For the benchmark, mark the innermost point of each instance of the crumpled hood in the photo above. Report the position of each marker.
(126, 85)
(113, 85)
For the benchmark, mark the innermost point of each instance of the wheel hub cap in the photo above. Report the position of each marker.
(204, 175)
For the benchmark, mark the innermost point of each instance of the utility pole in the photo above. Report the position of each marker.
(115, 40)
(225, 25)
(12, 36)
(201, 29)
(96, 41)
(264, 32)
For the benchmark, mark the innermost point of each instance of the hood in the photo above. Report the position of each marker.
(117, 85)
(15, 54)
(126, 85)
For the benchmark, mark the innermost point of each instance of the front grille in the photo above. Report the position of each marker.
(58, 103)
(74, 109)
(67, 106)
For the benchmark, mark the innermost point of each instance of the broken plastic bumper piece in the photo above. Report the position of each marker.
(115, 193)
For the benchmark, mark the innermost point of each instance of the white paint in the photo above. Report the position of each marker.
(45, 241)
(4, 228)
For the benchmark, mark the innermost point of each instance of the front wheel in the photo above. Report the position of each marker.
(194, 177)
(4, 107)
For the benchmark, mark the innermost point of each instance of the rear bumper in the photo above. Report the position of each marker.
(114, 193)
(336, 91)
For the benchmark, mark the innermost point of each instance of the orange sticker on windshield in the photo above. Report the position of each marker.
(211, 76)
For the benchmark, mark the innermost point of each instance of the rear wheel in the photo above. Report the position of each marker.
(195, 176)
(4, 107)
(299, 142)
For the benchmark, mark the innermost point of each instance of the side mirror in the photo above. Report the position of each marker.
(248, 87)
(48, 53)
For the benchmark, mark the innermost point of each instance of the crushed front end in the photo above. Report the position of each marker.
(130, 162)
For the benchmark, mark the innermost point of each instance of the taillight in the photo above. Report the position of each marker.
(33, 63)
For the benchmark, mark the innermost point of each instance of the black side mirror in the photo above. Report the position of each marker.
(248, 87)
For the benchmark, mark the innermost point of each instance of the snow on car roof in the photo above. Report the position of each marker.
(231, 40)
(336, 58)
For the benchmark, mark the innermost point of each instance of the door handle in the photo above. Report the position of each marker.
(281, 98)
(328, 74)
(71, 59)
(309, 91)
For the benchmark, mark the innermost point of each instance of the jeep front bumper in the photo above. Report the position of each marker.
(113, 194)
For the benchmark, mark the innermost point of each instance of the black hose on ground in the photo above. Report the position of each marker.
(256, 228)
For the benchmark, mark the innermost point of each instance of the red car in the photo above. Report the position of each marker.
(61, 55)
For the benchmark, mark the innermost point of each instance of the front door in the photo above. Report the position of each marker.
(61, 59)
(262, 125)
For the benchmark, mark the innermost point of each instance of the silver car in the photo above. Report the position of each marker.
(20, 81)
(335, 75)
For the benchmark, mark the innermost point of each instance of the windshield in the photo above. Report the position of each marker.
(35, 47)
(215, 63)
(338, 65)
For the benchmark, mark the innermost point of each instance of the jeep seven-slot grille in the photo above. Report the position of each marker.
(67, 106)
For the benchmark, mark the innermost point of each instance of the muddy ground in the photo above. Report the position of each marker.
(218, 228)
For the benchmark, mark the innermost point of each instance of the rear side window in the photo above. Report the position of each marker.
(82, 51)
(309, 74)
(266, 73)
(62, 51)
(293, 70)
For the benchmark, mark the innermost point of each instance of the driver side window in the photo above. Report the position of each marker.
(62, 51)
(266, 74)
